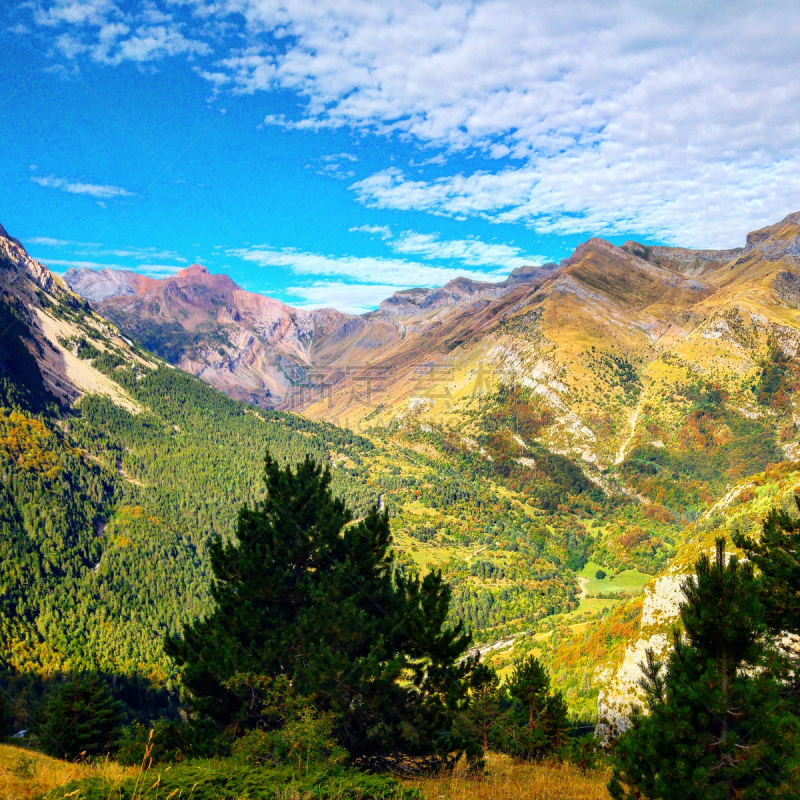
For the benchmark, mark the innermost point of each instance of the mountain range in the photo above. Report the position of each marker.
(260, 350)
(610, 412)
(599, 338)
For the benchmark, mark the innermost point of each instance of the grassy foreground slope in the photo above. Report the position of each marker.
(25, 774)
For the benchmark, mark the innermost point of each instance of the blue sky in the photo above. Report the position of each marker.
(331, 153)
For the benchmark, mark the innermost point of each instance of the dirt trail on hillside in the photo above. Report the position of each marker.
(621, 455)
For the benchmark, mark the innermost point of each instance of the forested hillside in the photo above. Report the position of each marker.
(106, 517)
(116, 508)
(118, 470)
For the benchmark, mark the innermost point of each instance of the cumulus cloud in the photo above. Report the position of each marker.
(112, 35)
(670, 119)
(615, 198)
(471, 252)
(392, 271)
(673, 119)
(99, 192)
(147, 43)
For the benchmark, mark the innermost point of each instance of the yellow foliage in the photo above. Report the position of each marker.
(29, 443)
(26, 774)
(121, 542)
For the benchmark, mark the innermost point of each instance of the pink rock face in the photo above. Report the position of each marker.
(249, 345)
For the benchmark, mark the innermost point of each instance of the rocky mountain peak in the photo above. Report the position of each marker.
(192, 271)
(4, 235)
(14, 257)
(526, 273)
(779, 239)
(596, 245)
(407, 301)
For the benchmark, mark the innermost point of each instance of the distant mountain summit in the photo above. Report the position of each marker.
(600, 338)
(256, 348)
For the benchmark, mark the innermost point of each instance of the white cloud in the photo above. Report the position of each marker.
(339, 157)
(148, 43)
(92, 255)
(334, 166)
(62, 262)
(677, 119)
(347, 297)
(76, 187)
(76, 12)
(111, 35)
(50, 242)
(383, 231)
(615, 198)
(392, 271)
(471, 252)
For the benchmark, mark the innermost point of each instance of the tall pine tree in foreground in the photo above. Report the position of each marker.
(717, 725)
(304, 594)
(486, 709)
(776, 555)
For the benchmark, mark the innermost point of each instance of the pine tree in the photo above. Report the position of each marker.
(538, 718)
(486, 710)
(717, 726)
(304, 594)
(80, 717)
(776, 555)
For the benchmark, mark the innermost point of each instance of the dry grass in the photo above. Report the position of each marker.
(510, 780)
(25, 774)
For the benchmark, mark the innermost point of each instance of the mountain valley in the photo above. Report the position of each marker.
(606, 413)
